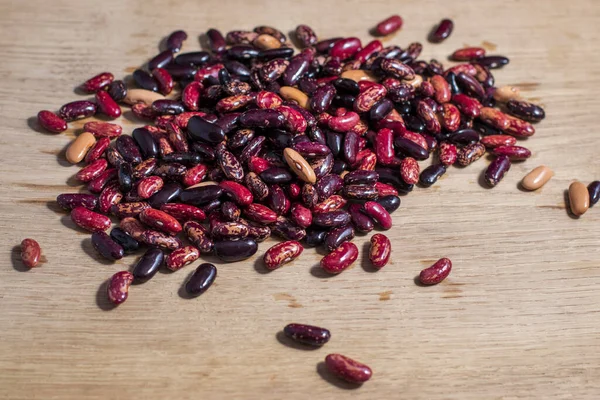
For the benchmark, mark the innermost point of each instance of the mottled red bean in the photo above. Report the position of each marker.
(103, 129)
(118, 287)
(447, 153)
(380, 250)
(436, 273)
(515, 153)
(92, 171)
(496, 170)
(51, 122)
(98, 82)
(30, 253)
(90, 220)
(182, 257)
(282, 253)
(109, 196)
(340, 259)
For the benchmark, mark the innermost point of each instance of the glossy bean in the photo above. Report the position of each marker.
(340, 259)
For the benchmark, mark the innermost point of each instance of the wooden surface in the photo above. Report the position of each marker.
(517, 318)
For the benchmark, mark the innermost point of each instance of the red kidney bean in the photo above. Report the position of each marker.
(410, 170)
(389, 25)
(378, 213)
(175, 41)
(30, 253)
(519, 128)
(51, 122)
(201, 279)
(216, 40)
(145, 80)
(97, 150)
(350, 148)
(182, 257)
(340, 259)
(515, 153)
(237, 250)
(103, 129)
(107, 105)
(496, 170)
(148, 186)
(300, 215)
(380, 250)
(89, 220)
(427, 115)
(383, 189)
(109, 196)
(371, 49)
(129, 209)
(260, 213)
(436, 273)
(594, 192)
(77, 110)
(107, 247)
(493, 141)
(160, 220)
(92, 171)
(431, 174)
(183, 212)
(367, 98)
(120, 237)
(448, 154)
(493, 62)
(468, 54)
(441, 31)
(239, 193)
(118, 287)
(361, 222)
(143, 112)
(98, 82)
(344, 48)
(336, 236)
(164, 80)
(526, 111)
(307, 334)
(190, 96)
(469, 106)
(345, 122)
(282, 253)
(68, 201)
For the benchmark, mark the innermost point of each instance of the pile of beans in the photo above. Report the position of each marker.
(250, 140)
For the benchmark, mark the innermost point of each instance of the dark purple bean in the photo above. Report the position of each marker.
(145, 80)
(414, 124)
(117, 90)
(175, 40)
(243, 52)
(350, 148)
(332, 67)
(228, 122)
(201, 195)
(277, 200)
(347, 85)
(432, 142)
(361, 177)
(317, 135)
(344, 100)
(465, 136)
(69, 201)
(297, 68)
(77, 110)
(160, 60)
(276, 175)
(307, 334)
(279, 138)
(485, 129)
(431, 174)
(262, 118)
(205, 150)
(167, 107)
(401, 93)
(451, 79)
(526, 111)
(311, 149)
(240, 138)
(435, 67)
(107, 247)
(470, 85)
(322, 166)
(148, 265)
(272, 70)
(200, 129)
(212, 206)
(410, 148)
(128, 149)
(282, 52)
(235, 250)
(336, 236)
(328, 185)
(325, 45)
(236, 68)
(169, 193)
(362, 222)
(390, 202)
(146, 143)
(125, 177)
(496, 170)
(179, 72)
(339, 166)
(182, 157)
(216, 41)
(322, 98)
(493, 62)
(392, 177)
(441, 31)
(315, 237)
(331, 219)
(380, 110)
(128, 243)
(287, 230)
(230, 211)
(594, 192)
(201, 279)
(252, 149)
(306, 85)
(193, 58)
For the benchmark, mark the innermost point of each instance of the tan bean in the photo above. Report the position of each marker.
(506, 93)
(204, 183)
(358, 75)
(415, 82)
(147, 97)
(292, 94)
(266, 42)
(79, 147)
(579, 198)
(537, 178)
(299, 165)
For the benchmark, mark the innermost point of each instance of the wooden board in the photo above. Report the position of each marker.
(517, 319)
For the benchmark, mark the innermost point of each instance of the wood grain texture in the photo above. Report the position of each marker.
(516, 319)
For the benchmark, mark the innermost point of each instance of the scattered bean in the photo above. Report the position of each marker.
(30, 253)
(348, 369)
(579, 198)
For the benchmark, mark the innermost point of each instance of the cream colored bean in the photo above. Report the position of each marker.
(205, 183)
(299, 165)
(579, 198)
(147, 97)
(415, 82)
(358, 75)
(290, 93)
(79, 147)
(537, 178)
(506, 93)
(266, 42)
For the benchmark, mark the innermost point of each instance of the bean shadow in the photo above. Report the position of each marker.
(365, 261)
(130, 116)
(316, 270)
(286, 341)
(34, 124)
(522, 189)
(53, 206)
(259, 266)
(61, 157)
(417, 281)
(73, 181)
(293, 39)
(15, 258)
(102, 300)
(67, 222)
(568, 206)
(334, 380)
(204, 42)
(78, 90)
(482, 182)
(182, 292)
(88, 248)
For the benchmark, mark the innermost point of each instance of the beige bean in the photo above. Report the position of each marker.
(537, 178)
(266, 42)
(292, 94)
(414, 82)
(506, 93)
(299, 165)
(79, 147)
(147, 97)
(205, 183)
(579, 198)
(358, 75)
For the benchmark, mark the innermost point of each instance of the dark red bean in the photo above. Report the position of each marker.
(594, 192)
(68, 201)
(161, 60)
(431, 174)
(526, 111)
(389, 25)
(128, 243)
(107, 247)
(235, 250)
(515, 153)
(77, 110)
(331, 219)
(340, 259)
(493, 62)
(201, 279)
(175, 41)
(51, 122)
(442, 31)
(169, 193)
(324, 46)
(328, 185)
(436, 273)
(118, 287)
(307, 334)
(345, 48)
(90, 220)
(98, 82)
(144, 80)
(216, 40)
(321, 99)
(107, 105)
(496, 170)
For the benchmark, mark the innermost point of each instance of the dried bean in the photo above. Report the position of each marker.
(30, 253)
(380, 250)
(431, 174)
(515, 153)
(282, 253)
(118, 287)
(389, 25)
(526, 111)
(202, 278)
(441, 31)
(238, 250)
(496, 170)
(89, 220)
(106, 246)
(340, 259)
(537, 178)
(51, 122)
(436, 273)
(128, 243)
(78, 149)
(594, 192)
(579, 198)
